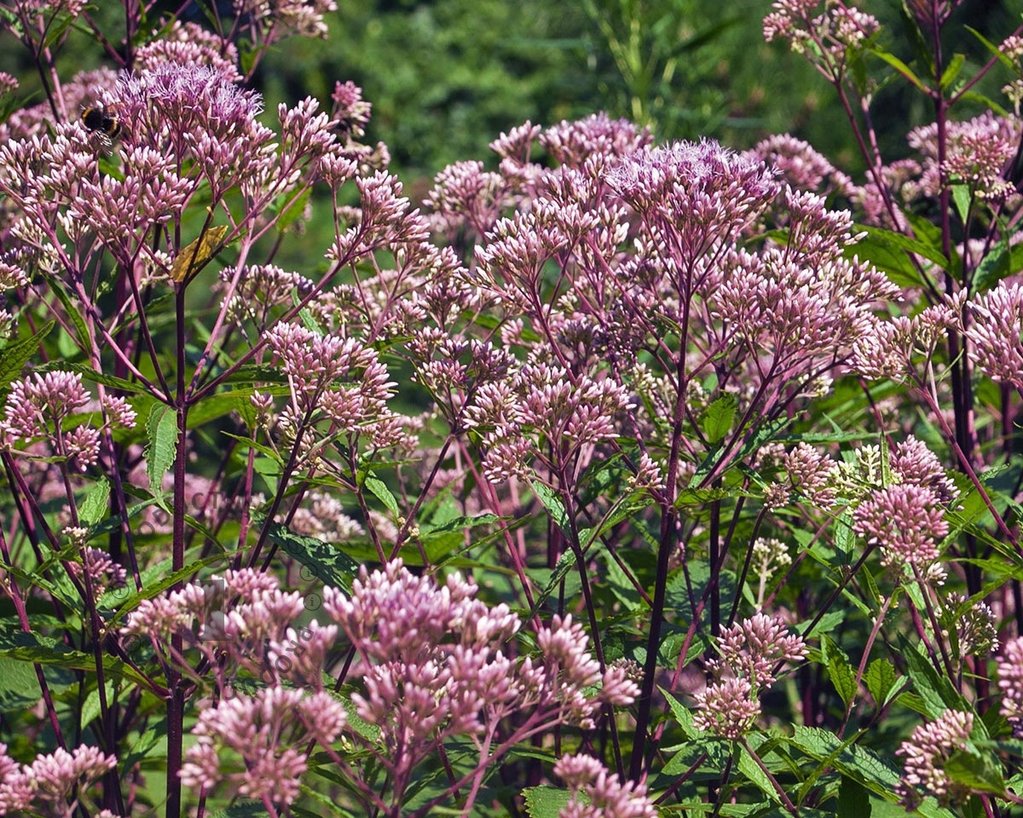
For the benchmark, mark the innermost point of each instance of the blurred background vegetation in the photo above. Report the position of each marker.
(447, 76)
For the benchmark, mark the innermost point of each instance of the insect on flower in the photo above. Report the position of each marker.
(101, 120)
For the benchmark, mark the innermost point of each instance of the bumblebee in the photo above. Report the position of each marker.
(101, 120)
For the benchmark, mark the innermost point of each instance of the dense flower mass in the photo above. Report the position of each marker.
(602, 476)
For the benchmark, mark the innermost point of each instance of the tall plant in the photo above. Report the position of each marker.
(618, 477)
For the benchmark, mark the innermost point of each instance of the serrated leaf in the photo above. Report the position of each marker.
(749, 768)
(196, 254)
(45, 651)
(935, 690)
(544, 802)
(162, 432)
(553, 504)
(458, 524)
(881, 679)
(243, 809)
(683, 717)
(840, 671)
(1002, 262)
(718, 417)
(899, 242)
(994, 49)
(19, 685)
(16, 354)
(378, 488)
(978, 772)
(955, 65)
(565, 564)
(91, 706)
(329, 564)
(57, 288)
(292, 212)
(859, 763)
(96, 503)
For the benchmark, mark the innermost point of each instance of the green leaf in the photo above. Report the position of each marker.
(993, 48)
(718, 417)
(294, 211)
(96, 503)
(858, 763)
(566, 562)
(162, 430)
(152, 589)
(148, 741)
(683, 717)
(379, 489)
(881, 679)
(978, 772)
(329, 564)
(58, 289)
(46, 651)
(544, 802)
(841, 672)
(19, 685)
(553, 504)
(853, 800)
(901, 67)
(1000, 263)
(242, 809)
(955, 65)
(91, 375)
(897, 241)
(935, 690)
(222, 403)
(749, 768)
(961, 197)
(458, 524)
(91, 706)
(15, 355)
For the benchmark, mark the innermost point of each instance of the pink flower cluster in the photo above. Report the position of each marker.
(820, 29)
(41, 406)
(751, 653)
(907, 519)
(1010, 682)
(925, 751)
(435, 663)
(438, 664)
(52, 783)
(598, 794)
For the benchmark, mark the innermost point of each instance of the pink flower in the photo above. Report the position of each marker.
(751, 652)
(906, 520)
(40, 401)
(727, 708)
(264, 737)
(996, 333)
(595, 793)
(929, 746)
(755, 646)
(1010, 681)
